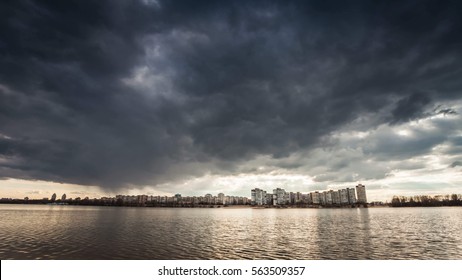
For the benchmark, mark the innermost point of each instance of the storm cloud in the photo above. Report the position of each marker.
(146, 93)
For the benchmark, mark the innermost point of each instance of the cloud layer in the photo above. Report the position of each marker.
(151, 93)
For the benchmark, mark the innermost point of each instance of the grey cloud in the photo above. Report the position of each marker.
(392, 146)
(446, 111)
(410, 108)
(224, 84)
(376, 187)
(35, 192)
(325, 178)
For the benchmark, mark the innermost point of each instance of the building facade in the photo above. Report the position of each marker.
(343, 196)
(258, 197)
(280, 197)
(361, 192)
(315, 198)
(351, 195)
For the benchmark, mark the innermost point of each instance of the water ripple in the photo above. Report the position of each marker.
(72, 232)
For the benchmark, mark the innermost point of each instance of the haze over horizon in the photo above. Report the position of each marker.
(161, 97)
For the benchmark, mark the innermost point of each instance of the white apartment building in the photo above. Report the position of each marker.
(328, 195)
(258, 196)
(361, 192)
(335, 197)
(279, 196)
(343, 196)
(315, 197)
(351, 195)
(221, 198)
(322, 198)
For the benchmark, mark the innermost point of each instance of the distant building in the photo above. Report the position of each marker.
(63, 197)
(208, 198)
(343, 196)
(232, 200)
(141, 199)
(308, 199)
(328, 196)
(221, 198)
(298, 197)
(292, 198)
(322, 198)
(279, 196)
(315, 198)
(257, 197)
(361, 192)
(335, 197)
(53, 197)
(269, 199)
(351, 195)
(286, 198)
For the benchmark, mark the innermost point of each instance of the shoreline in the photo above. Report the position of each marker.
(197, 206)
(21, 202)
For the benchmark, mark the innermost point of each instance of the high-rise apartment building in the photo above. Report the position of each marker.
(351, 195)
(221, 198)
(343, 196)
(269, 198)
(361, 192)
(298, 197)
(279, 196)
(328, 195)
(335, 197)
(258, 197)
(208, 198)
(322, 198)
(315, 198)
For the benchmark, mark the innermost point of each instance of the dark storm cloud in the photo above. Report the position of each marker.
(114, 93)
(410, 108)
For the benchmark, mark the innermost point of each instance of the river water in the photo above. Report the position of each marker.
(85, 232)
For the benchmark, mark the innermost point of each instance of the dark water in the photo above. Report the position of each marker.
(73, 232)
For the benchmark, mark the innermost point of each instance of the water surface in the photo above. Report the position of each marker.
(85, 232)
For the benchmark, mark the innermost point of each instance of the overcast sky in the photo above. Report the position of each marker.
(159, 97)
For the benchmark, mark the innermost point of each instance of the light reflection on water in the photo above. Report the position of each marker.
(73, 232)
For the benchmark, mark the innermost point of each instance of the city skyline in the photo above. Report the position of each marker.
(348, 188)
(158, 97)
(258, 197)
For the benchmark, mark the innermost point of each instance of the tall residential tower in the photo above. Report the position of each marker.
(361, 193)
(258, 197)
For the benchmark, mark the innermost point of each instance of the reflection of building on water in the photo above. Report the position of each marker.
(342, 197)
